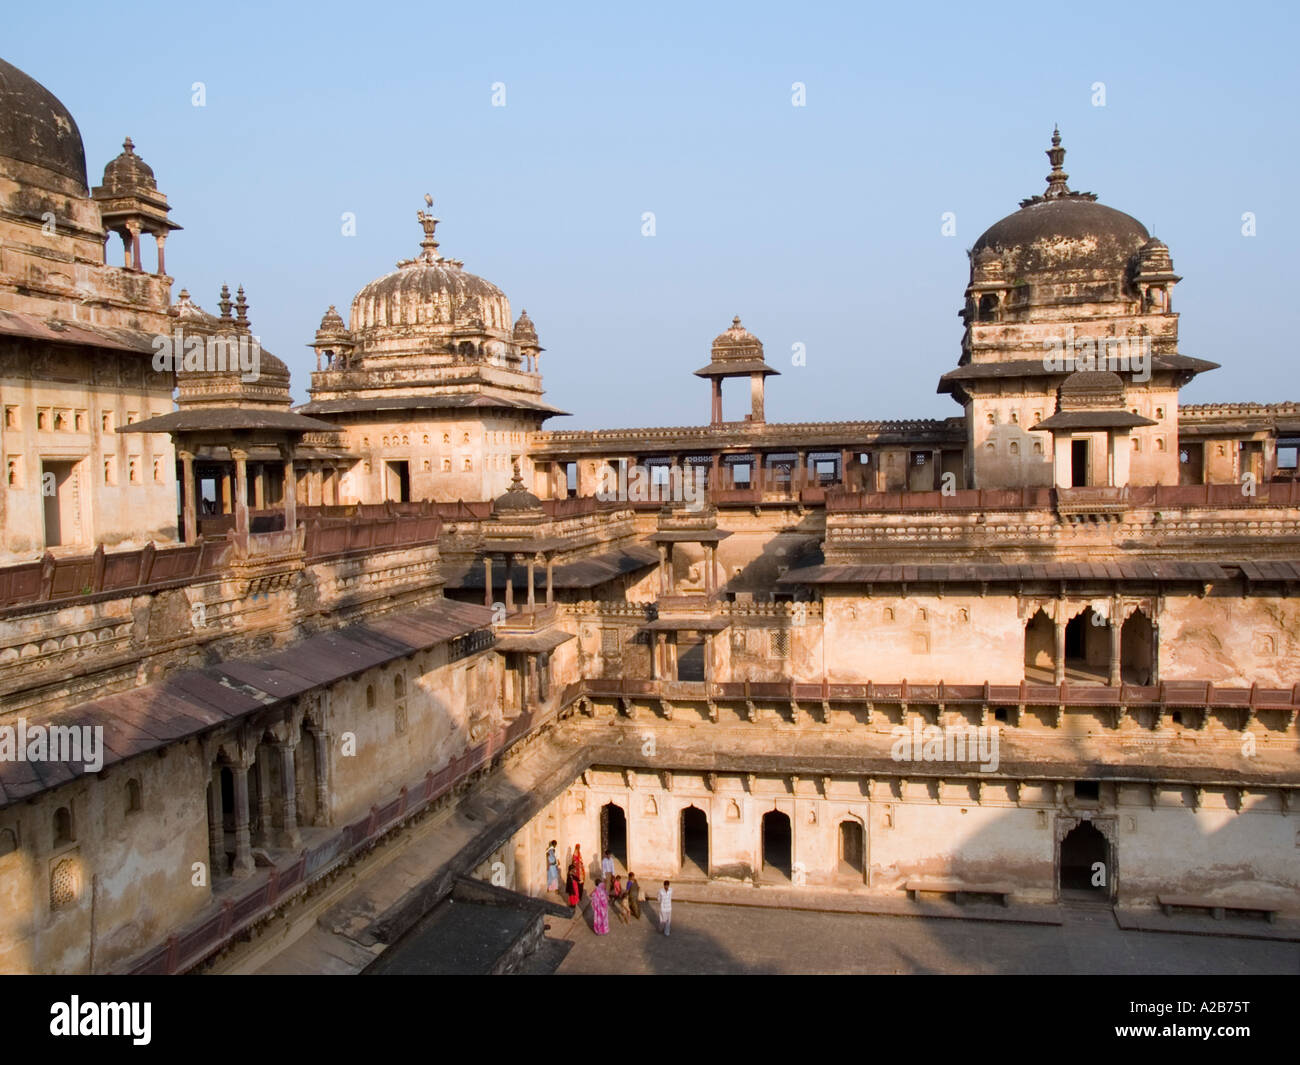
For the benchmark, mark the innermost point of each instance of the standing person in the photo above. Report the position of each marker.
(633, 892)
(552, 868)
(579, 869)
(666, 907)
(600, 909)
(618, 897)
(607, 869)
(571, 888)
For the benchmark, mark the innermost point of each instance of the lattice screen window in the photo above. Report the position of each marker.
(63, 884)
(779, 641)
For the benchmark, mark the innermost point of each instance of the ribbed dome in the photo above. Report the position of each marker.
(128, 172)
(430, 290)
(525, 333)
(517, 498)
(1061, 230)
(1056, 234)
(331, 326)
(35, 128)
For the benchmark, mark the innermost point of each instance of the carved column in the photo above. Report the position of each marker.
(290, 491)
(532, 571)
(216, 827)
(1059, 663)
(241, 489)
(265, 807)
(133, 228)
(1115, 646)
(510, 584)
(289, 795)
(243, 843)
(190, 497)
(487, 580)
(160, 239)
(550, 579)
(324, 816)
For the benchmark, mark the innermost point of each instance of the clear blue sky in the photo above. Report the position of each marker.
(818, 225)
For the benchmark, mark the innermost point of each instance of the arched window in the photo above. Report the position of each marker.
(8, 841)
(370, 696)
(63, 826)
(134, 796)
(399, 687)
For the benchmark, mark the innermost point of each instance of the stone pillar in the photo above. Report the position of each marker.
(216, 828)
(133, 228)
(759, 459)
(510, 584)
(227, 503)
(710, 572)
(756, 396)
(243, 843)
(845, 457)
(289, 836)
(801, 458)
(160, 239)
(265, 807)
(316, 488)
(532, 574)
(716, 415)
(715, 473)
(1058, 675)
(189, 494)
(324, 816)
(241, 489)
(259, 487)
(550, 572)
(1116, 632)
(487, 580)
(663, 568)
(290, 493)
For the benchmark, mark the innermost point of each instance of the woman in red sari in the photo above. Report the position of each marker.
(578, 868)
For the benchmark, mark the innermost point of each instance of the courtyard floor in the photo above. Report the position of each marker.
(711, 938)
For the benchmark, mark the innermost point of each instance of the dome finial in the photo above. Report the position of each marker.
(429, 244)
(128, 146)
(224, 301)
(1056, 186)
(241, 309)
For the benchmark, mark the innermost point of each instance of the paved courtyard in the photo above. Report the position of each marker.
(710, 938)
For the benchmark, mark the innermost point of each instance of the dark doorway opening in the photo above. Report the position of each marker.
(852, 849)
(613, 834)
(1078, 463)
(399, 482)
(695, 841)
(690, 658)
(62, 512)
(1085, 865)
(1191, 463)
(777, 842)
(1137, 650)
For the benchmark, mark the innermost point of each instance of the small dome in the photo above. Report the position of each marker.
(737, 343)
(516, 498)
(35, 128)
(331, 327)
(525, 333)
(128, 172)
(1091, 388)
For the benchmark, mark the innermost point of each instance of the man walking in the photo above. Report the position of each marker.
(633, 891)
(607, 870)
(666, 907)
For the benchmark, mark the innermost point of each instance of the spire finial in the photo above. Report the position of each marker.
(224, 302)
(128, 146)
(517, 482)
(429, 223)
(241, 309)
(1056, 186)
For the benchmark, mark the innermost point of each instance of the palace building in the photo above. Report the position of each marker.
(987, 655)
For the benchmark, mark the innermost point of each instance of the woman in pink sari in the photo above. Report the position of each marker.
(600, 909)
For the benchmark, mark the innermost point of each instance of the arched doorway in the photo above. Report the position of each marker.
(695, 842)
(1137, 649)
(304, 776)
(1040, 647)
(777, 843)
(1085, 862)
(613, 834)
(1087, 648)
(852, 848)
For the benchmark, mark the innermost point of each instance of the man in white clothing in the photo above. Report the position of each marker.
(666, 907)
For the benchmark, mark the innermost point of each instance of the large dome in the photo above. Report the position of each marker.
(1061, 230)
(35, 128)
(430, 290)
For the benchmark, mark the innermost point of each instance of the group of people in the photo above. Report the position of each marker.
(609, 893)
